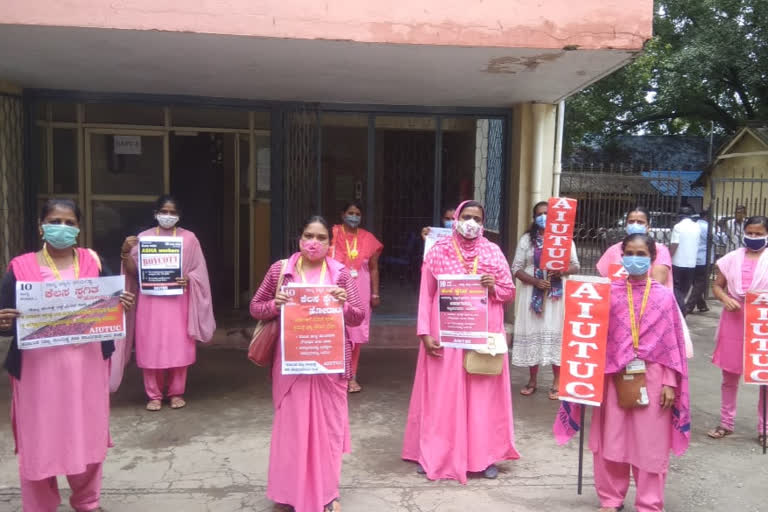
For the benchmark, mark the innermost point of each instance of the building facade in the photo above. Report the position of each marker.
(257, 114)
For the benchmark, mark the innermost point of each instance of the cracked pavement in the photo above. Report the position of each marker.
(212, 455)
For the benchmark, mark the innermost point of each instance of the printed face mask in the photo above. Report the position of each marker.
(755, 243)
(541, 220)
(469, 228)
(313, 250)
(166, 221)
(636, 265)
(447, 224)
(60, 236)
(636, 229)
(352, 220)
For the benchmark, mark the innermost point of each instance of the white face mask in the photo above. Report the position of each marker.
(167, 221)
(469, 228)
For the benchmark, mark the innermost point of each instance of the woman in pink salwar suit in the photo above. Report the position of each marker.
(60, 404)
(166, 328)
(460, 423)
(311, 425)
(741, 270)
(638, 441)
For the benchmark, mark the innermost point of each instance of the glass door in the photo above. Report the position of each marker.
(126, 170)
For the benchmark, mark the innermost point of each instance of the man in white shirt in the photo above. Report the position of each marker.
(684, 247)
(735, 228)
(701, 274)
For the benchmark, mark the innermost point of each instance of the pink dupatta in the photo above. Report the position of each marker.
(730, 267)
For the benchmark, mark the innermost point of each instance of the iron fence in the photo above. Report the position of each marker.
(11, 178)
(606, 196)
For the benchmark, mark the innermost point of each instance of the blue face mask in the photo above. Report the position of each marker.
(636, 229)
(541, 220)
(352, 220)
(755, 244)
(448, 224)
(636, 265)
(60, 236)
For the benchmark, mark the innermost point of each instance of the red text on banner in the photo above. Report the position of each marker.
(756, 338)
(558, 235)
(585, 331)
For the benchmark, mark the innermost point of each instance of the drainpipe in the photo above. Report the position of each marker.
(558, 164)
(538, 146)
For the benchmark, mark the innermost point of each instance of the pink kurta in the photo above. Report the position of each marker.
(457, 422)
(729, 352)
(460, 423)
(641, 436)
(311, 426)
(610, 262)
(367, 247)
(60, 407)
(166, 328)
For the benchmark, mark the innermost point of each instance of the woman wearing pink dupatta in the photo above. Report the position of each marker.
(638, 440)
(738, 271)
(166, 328)
(310, 433)
(60, 403)
(460, 423)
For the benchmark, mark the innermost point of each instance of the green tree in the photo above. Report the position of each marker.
(706, 64)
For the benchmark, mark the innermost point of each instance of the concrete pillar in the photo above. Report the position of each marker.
(11, 173)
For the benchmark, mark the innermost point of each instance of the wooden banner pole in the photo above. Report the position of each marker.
(764, 398)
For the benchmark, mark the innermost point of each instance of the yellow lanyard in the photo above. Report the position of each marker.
(300, 270)
(157, 231)
(634, 324)
(352, 253)
(461, 259)
(55, 270)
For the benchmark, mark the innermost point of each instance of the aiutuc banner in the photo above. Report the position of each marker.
(558, 235)
(585, 333)
(756, 338)
(312, 331)
(69, 312)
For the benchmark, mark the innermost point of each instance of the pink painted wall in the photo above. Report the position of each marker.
(588, 24)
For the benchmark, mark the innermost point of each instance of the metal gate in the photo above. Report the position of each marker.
(301, 176)
(726, 195)
(11, 178)
(604, 200)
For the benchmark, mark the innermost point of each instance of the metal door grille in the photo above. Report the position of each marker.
(301, 129)
(11, 178)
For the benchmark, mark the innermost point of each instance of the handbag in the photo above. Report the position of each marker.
(261, 350)
(631, 389)
(488, 360)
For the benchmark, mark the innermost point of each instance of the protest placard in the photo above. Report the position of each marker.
(69, 312)
(756, 337)
(434, 235)
(160, 265)
(312, 331)
(558, 235)
(585, 331)
(463, 313)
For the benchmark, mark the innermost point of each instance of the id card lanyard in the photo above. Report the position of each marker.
(637, 365)
(464, 263)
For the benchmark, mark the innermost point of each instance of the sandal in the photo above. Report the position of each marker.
(528, 390)
(333, 506)
(554, 394)
(719, 433)
(177, 402)
(760, 439)
(611, 509)
(154, 405)
(354, 387)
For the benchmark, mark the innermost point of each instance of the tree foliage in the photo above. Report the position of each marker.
(707, 64)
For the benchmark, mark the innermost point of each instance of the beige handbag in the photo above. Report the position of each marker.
(489, 360)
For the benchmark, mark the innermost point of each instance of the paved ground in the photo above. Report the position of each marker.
(212, 456)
